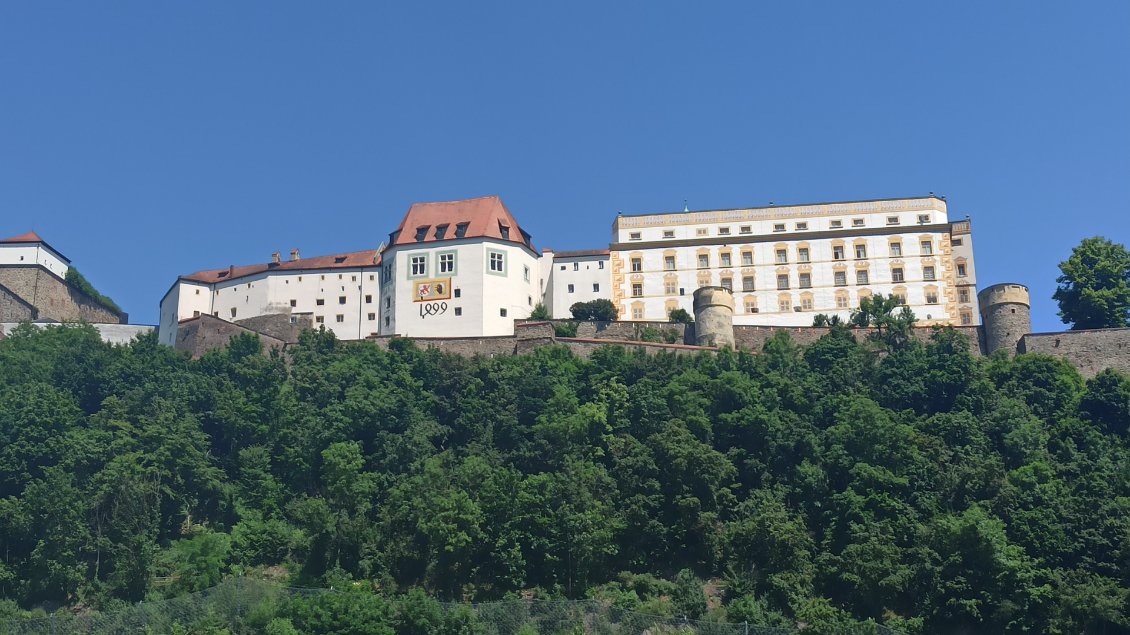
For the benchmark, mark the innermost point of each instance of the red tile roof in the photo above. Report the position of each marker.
(367, 258)
(580, 253)
(483, 217)
(29, 237)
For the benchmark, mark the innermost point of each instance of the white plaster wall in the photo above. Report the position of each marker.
(33, 254)
(582, 272)
(183, 301)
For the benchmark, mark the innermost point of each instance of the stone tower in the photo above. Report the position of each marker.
(1005, 316)
(714, 316)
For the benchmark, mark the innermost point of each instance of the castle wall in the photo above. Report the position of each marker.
(1090, 351)
(281, 326)
(199, 335)
(54, 298)
(13, 308)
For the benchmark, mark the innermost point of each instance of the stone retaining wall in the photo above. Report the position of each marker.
(1090, 351)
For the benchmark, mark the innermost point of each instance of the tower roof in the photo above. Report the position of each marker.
(32, 238)
(483, 217)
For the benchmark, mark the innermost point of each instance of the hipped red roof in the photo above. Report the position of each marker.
(29, 237)
(353, 260)
(485, 217)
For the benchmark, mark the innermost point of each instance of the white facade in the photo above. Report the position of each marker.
(787, 264)
(28, 254)
(488, 284)
(576, 276)
(344, 299)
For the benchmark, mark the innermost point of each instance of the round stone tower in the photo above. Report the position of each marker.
(714, 316)
(1005, 315)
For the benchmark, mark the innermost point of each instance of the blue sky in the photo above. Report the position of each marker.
(150, 139)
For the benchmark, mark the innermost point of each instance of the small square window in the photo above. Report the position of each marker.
(784, 305)
(892, 220)
(563, 267)
(857, 222)
(841, 302)
(779, 227)
(341, 300)
(669, 287)
(458, 311)
(806, 304)
(836, 224)
(701, 231)
(340, 318)
(956, 242)
(570, 288)
(931, 297)
(372, 316)
(502, 312)
(923, 219)
(801, 227)
(668, 233)
(634, 236)
(458, 292)
(294, 303)
(596, 287)
(745, 229)
(368, 299)
(319, 319)
(320, 302)
(723, 231)
(637, 313)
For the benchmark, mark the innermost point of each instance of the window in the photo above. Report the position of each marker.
(745, 229)
(668, 233)
(784, 304)
(504, 230)
(750, 305)
(600, 264)
(723, 231)
(458, 311)
(747, 258)
(233, 311)
(861, 276)
(892, 220)
(320, 302)
(837, 252)
(923, 219)
(576, 266)
(294, 303)
(440, 231)
(901, 298)
(896, 274)
(726, 259)
(966, 318)
(840, 278)
(388, 302)
(896, 249)
(701, 231)
(668, 263)
(637, 289)
(497, 262)
(637, 313)
(458, 292)
(637, 264)
(461, 230)
(806, 281)
(963, 295)
(782, 281)
(802, 254)
(341, 300)
(857, 222)
(961, 270)
(368, 299)
(782, 256)
(669, 287)
(526, 273)
(836, 224)
(728, 283)
(634, 236)
(779, 227)
(421, 233)
(931, 297)
(841, 302)
(340, 318)
(747, 283)
(570, 288)
(372, 316)
(596, 287)
(801, 227)
(956, 242)
(386, 320)
(419, 265)
(703, 261)
(502, 312)
(927, 273)
(319, 319)
(860, 252)
(447, 262)
(927, 247)
(806, 304)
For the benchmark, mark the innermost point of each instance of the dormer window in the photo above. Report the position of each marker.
(504, 229)
(421, 233)
(461, 230)
(339, 259)
(441, 230)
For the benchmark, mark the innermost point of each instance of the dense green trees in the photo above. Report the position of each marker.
(897, 481)
(601, 310)
(1094, 285)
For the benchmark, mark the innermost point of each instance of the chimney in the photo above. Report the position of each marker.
(276, 258)
(294, 254)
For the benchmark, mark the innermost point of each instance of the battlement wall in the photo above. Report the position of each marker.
(1090, 351)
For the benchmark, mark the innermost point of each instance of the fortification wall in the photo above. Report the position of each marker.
(753, 338)
(1090, 351)
(54, 298)
(279, 325)
(13, 308)
(201, 334)
(464, 346)
(623, 330)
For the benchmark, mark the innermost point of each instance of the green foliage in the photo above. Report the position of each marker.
(565, 329)
(540, 312)
(76, 280)
(600, 310)
(680, 316)
(834, 486)
(1094, 285)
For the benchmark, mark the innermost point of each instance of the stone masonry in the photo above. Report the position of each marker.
(53, 298)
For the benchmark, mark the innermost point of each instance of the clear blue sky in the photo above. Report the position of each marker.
(150, 139)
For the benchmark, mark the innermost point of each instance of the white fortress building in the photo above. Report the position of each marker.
(467, 268)
(786, 264)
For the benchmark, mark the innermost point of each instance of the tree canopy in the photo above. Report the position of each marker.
(905, 483)
(1094, 285)
(600, 310)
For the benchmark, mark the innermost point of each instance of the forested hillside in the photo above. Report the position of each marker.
(908, 483)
